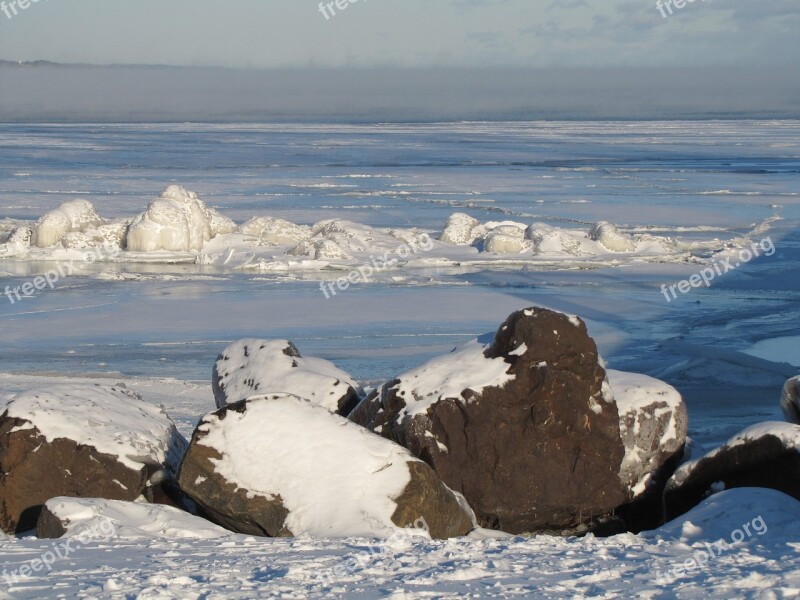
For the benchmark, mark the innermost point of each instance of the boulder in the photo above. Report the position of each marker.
(764, 455)
(99, 519)
(524, 424)
(281, 466)
(253, 367)
(653, 425)
(82, 441)
(790, 400)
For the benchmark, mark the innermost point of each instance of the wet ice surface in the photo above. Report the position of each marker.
(160, 327)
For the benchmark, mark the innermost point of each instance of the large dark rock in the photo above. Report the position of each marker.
(252, 367)
(764, 455)
(81, 441)
(280, 466)
(523, 425)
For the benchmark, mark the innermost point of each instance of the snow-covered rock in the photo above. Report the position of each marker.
(763, 455)
(253, 367)
(276, 232)
(97, 518)
(282, 466)
(611, 238)
(176, 221)
(790, 400)
(522, 424)
(459, 229)
(72, 216)
(81, 440)
(653, 425)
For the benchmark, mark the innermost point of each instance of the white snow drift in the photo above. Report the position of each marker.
(130, 520)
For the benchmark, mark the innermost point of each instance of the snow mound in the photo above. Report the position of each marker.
(72, 216)
(112, 420)
(466, 367)
(252, 367)
(176, 221)
(459, 229)
(717, 517)
(611, 238)
(310, 472)
(276, 232)
(95, 517)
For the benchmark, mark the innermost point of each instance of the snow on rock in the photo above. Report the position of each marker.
(549, 240)
(72, 216)
(253, 367)
(447, 376)
(653, 425)
(521, 424)
(282, 466)
(98, 519)
(276, 232)
(86, 440)
(611, 238)
(177, 221)
(459, 229)
(790, 400)
(763, 455)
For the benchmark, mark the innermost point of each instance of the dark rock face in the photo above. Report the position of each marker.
(253, 367)
(261, 513)
(33, 470)
(762, 459)
(49, 526)
(540, 452)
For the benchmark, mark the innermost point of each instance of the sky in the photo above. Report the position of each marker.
(404, 33)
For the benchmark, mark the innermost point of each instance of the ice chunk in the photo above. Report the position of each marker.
(72, 216)
(459, 229)
(611, 238)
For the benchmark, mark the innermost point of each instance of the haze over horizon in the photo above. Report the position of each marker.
(385, 60)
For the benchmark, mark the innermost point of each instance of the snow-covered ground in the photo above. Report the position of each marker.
(157, 321)
(743, 544)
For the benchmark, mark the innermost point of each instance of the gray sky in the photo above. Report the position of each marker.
(408, 33)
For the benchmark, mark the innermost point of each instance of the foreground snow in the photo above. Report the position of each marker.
(761, 565)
